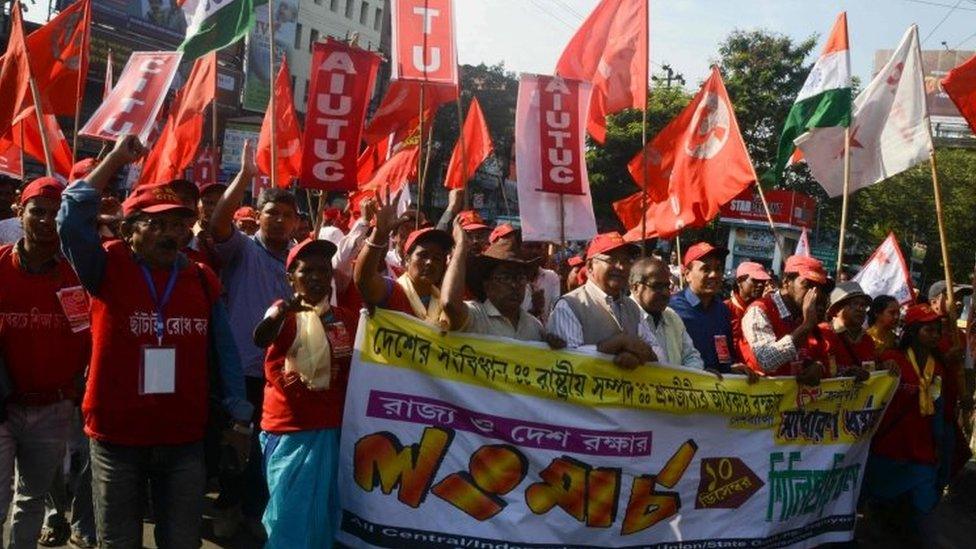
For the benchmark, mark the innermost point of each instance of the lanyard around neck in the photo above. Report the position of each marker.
(160, 303)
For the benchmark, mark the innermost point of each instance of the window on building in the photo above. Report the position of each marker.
(378, 19)
(334, 5)
(298, 36)
(349, 6)
(363, 14)
(313, 37)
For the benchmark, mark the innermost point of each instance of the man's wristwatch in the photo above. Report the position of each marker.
(242, 428)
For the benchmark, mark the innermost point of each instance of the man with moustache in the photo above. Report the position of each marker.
(154, 322)
(707, 318)
(598, 313)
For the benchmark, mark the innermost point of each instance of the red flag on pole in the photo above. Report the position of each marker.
(10, 159)
(177, 144)
(960, 84)
(109, 76)
(699, 161)
(14, 73)
(372, 157)
(477, 145)
(289, 138)
(397, 112)
(610, 51)
(32, 145)
(59, 58)
(628, 210)
(423, 41)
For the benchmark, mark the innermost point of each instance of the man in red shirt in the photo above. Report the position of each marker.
(155, 323)
(44, 343)
(750, 284)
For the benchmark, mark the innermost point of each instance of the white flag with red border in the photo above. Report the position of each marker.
(886, 273)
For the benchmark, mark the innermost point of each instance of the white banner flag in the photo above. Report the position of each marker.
(889, 127)
(886, 273)
(539, 210)
(460, 440)
(803, 245)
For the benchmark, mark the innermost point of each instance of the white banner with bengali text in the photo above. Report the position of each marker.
(460, 440)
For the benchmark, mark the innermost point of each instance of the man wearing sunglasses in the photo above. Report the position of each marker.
(661, 328)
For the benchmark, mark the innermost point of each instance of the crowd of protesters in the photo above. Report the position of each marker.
(201, 340)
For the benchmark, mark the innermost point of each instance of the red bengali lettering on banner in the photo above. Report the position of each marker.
(132, 106)
(342, 79)
(560, 135)
(423, 41)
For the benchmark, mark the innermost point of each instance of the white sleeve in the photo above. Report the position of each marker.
(770, 353)
(564, 324)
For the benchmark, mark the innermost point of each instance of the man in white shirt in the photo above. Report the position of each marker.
(661, 327)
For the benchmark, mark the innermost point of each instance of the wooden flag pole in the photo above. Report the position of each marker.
(464, 152)
(769, 217)
(420, 152)
(562, 220)
(677, 259)
(430, 139)
(271, 99)
(647, 77)
(23, 165)
(844, 202)
(48, 161)
(942, 233)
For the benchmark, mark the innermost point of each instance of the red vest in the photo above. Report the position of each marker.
(290, 407)
(123, 316)
(782, 327)
(41, 352)
(904, 434)
(738, 311)
(839, 354)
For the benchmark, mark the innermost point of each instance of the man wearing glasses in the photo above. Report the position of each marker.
(598, 313)
(707, 319)
(661, 328)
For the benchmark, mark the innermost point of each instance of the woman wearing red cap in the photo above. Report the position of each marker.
(309, 346)
(910, 447)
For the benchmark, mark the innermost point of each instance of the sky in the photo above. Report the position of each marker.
(529, 35)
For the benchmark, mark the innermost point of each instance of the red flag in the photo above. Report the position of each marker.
(423, 41)
(699, 159)
(10, 159)
(610, 51)
(109, 76)
(960, 84)
(477, 145)
(289, 138)
(59, 58)
(372, 157)
(339, 93)
(628, 210)
(14, 72)
(32, 145)
(398, 110)
(396, 172)
(177, 145)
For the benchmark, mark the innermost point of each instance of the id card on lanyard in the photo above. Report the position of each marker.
(157, 367)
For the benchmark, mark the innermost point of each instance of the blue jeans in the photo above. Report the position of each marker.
(176, 476)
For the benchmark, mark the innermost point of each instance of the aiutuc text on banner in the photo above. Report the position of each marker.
(423, 41)
(470, 441)
(135, 100)
(342, 84)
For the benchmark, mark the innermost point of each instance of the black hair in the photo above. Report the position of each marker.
(276, 196)
(878, 305)
(910, 333)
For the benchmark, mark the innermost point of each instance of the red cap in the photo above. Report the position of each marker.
(607, 242)
(920, 314)
(575, 261)
(470, 217)
(700, 250)
(153, 199)
(753, 270)
(476, 227)
(81, 169)
(245, 212)
(501, 231)
(47, 187)
(310, 245)
(428, 233)
(809, 268)
(331, 214)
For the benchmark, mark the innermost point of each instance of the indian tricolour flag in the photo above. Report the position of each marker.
(215, 24)
(825, 99)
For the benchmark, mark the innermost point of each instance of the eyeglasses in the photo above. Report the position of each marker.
(509, 279)
(620, 261)
(157, 225)
(658, 286)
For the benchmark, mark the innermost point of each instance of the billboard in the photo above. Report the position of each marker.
(160, 19)
(936, 64)
(788, 209)
(258, 72)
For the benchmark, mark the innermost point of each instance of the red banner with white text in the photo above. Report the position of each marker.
(561, 135)
(340, 90)
(135, 100)
(423, 41)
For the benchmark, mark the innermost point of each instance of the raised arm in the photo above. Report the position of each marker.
(452, 289)
(222, 220)
(371, 284)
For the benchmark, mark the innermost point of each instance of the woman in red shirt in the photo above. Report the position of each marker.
(905, 461)
(306, 370)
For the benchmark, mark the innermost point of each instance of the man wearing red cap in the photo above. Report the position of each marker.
(598, 313)
(329, 231)
(155, 321)
(750, 284)
(707, 319)
(777, 328)
(246, 220)
(44, 344)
